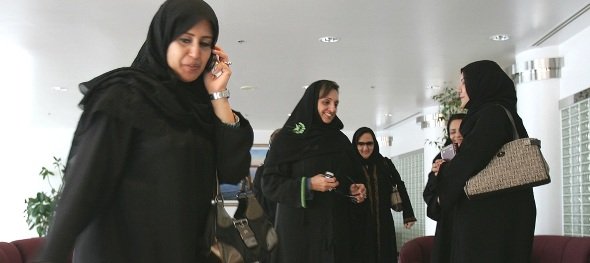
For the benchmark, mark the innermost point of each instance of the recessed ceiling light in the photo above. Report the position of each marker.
(500, 37)
(329, 39)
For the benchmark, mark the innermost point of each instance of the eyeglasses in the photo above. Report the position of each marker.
(368, 144)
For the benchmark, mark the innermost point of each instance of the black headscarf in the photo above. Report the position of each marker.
(174, 18)
(304, 134)
(150, 75)
(375, 157)
(486, 82)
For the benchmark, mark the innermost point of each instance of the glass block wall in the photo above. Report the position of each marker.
(575, 136)
(411, 168)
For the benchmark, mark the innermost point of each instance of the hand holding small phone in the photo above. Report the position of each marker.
(448, 152)
(213, 61)
(217, 71)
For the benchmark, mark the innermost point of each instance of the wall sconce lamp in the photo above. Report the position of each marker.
(431, 120)
(385, 140)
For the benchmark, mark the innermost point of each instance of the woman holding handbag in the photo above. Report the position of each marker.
(381, 176)
(499, 227)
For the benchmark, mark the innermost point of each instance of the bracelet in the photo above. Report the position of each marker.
(236, 124)
(219, 95)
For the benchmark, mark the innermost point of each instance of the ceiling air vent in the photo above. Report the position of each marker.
(562, 25)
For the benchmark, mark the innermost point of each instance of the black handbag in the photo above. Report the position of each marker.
(247, 237)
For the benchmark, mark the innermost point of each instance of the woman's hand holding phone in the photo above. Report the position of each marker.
(219, 72)
(216, 80)
(323, 183)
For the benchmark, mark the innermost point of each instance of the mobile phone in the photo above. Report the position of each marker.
(448, 152)
(213, 60)
(328, 174)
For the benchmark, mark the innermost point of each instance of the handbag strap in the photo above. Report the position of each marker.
(218, 196)
(247, 184)
(515, 132)
(390, 172)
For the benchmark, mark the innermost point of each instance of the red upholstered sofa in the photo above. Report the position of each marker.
(20, 251)
(546, 249)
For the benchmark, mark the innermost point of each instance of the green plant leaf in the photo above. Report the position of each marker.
(39, 208)
(449, 104)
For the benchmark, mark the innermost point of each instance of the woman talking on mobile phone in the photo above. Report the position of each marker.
(152, 137)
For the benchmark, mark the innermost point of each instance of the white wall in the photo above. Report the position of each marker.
(575, 74)
(24, 151)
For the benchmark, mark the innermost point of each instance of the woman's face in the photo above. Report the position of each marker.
(365, 145)
(454, 132)
(188, 54)
(328, 106)
(463, 92)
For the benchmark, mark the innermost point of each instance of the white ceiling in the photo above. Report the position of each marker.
(389, 53)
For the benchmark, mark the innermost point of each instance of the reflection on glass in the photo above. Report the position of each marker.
(565, 113)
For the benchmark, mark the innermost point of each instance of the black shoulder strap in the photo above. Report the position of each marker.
(515, 132)
(390, 171)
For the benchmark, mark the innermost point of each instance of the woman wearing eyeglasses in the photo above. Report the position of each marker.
(380, 175)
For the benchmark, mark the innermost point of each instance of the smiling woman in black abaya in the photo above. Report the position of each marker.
(381, 175)
(315, 218)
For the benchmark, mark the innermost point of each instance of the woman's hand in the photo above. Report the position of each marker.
(217, 79)
(359, 191)
(320, 183)
(436, 166)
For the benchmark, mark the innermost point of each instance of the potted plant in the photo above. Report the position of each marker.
(40, 208)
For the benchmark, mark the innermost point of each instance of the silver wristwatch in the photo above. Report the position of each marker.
(219, 95)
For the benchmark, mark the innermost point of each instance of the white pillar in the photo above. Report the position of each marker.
(538, 106)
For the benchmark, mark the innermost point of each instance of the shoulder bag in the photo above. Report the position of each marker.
(247, 237)
(395, 198)
(518, 164)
